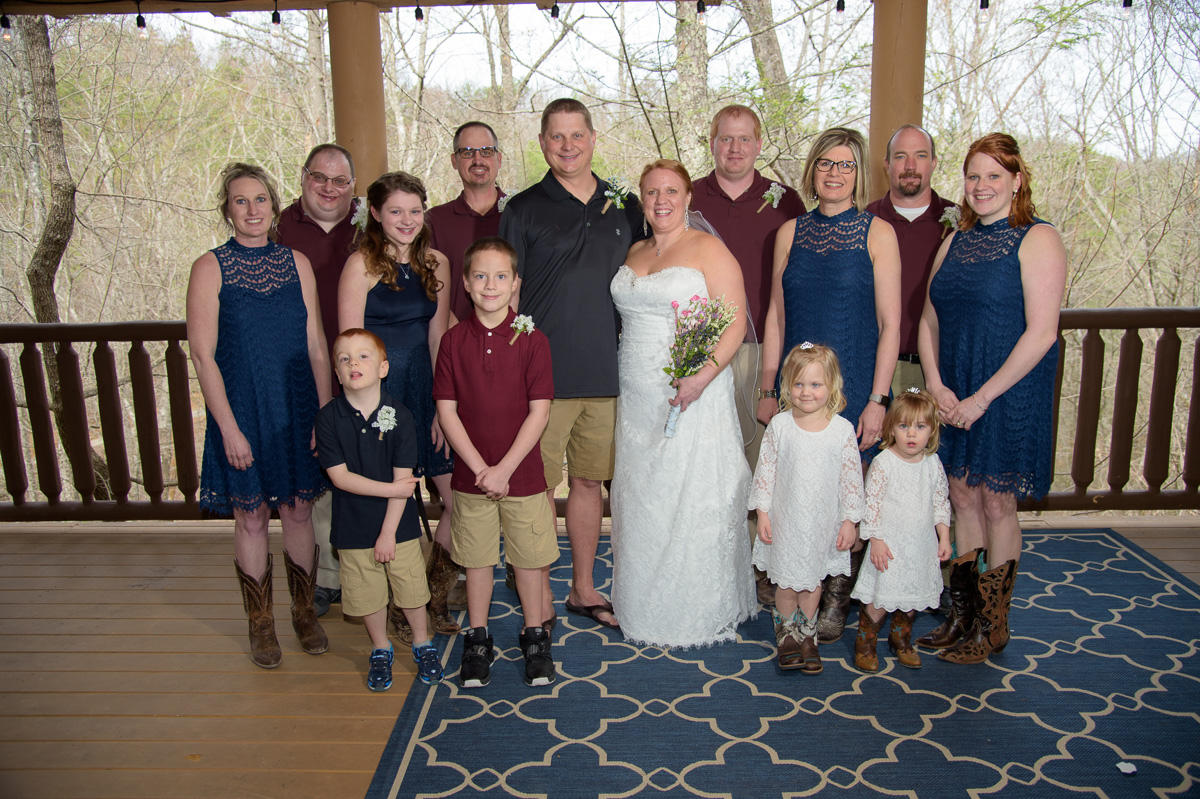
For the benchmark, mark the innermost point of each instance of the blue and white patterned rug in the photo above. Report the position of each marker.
(1103, 669)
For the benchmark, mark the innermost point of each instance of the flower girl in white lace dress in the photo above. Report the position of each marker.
(808, 491)
(907, 501)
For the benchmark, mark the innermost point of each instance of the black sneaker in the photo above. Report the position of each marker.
(324, 597)
(476, 668)
(379, 676)
(539, 664)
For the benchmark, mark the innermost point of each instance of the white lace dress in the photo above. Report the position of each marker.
(808, 483)
(904, 502)
(681, 549)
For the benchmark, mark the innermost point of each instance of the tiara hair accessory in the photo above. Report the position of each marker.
(808, 345)
(913, 390)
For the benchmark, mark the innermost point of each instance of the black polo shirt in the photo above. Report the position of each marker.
(567, 254)
(344, 436)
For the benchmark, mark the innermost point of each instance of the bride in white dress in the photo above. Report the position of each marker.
(681, 550)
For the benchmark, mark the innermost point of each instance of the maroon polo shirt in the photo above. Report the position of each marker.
(919, 241)
(456, 227)
(327, 252)
(748, 233)
(493, 383)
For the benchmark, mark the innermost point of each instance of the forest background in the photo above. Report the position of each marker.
(1106, 106)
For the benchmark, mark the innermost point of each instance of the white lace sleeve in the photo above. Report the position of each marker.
(764, 473)
(877, 483)
(850, 489)
(941, 493)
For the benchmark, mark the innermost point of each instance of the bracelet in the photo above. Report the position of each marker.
(975, 399)
(772, 394)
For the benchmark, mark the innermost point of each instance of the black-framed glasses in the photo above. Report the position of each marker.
(484, 152)
(322, 179)
(845, 167)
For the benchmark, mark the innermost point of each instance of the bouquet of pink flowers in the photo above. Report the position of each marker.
(697, 330)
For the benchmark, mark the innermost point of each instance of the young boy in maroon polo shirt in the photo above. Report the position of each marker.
(493, 386)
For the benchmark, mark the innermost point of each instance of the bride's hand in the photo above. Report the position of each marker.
(689, 389)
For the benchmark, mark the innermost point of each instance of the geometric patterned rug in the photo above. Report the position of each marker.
(1102, 676)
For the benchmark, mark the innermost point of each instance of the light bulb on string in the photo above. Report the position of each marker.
(985, 13)
(1126, 10)
(276, 22)
(420, 15)
(554, 11)
(5, 28)
(143, 31)
(839, 15)
(701, 12)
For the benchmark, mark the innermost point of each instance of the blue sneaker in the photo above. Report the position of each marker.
(429, 668)
(379, 675)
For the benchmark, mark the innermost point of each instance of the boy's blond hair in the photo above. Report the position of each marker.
(909, 407)
(802, 356)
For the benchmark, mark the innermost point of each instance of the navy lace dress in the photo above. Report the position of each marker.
(262, 353)
(829, 298)
(401, 319)
(980, 305)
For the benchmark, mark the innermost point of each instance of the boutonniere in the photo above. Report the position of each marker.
(950, 218)
(522, 324)
(618, 188)
(503, 201)
(361, 212)
(385, 420)
(773, 195)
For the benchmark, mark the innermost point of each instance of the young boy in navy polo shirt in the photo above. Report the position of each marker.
(493, 386)
(368, 447)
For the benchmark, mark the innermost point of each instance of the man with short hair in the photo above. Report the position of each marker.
(571, 238)
(475, 213)
(318, 225)
(746, 209)
(914, 210)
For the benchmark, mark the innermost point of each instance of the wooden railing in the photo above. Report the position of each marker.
(137, 366)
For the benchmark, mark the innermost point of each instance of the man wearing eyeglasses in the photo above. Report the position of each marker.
(318, 225)
(475, 212)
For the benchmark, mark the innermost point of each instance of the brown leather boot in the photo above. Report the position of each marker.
(835, 601)
(302, 586)
(900, 639)
(964, 575)
(764, 588)
(442, 574)
(865, 657)
(400, 622)
(787, 642)
(989, 633)
(808, 644)
(256, 598)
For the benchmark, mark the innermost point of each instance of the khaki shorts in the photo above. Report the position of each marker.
(365, 580)
(582, 428)
(530, 531)
(906, 376)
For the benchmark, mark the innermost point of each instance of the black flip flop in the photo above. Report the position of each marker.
(590, 611)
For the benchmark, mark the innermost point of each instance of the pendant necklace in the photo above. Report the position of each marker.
(403, 271)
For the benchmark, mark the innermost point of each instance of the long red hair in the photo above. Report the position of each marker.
(1005, 151)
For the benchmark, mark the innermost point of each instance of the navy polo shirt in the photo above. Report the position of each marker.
(344, 436)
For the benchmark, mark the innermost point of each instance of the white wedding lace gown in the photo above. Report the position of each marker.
(681, 548)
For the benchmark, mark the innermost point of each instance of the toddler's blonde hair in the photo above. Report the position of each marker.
(798, 360)
(912, 406)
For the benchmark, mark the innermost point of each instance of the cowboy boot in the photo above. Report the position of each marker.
(787, 642)
(989, 633)
(764, 588)
(835, 601)
(256, 598)
(400, 622)
(964, 575)
(900, 639)
(302, 586)
(865, 657)
(808, 643)
(442, 574)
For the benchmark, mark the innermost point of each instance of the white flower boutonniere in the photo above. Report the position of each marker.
(361, 212)
(950, 218)
(617, 189)
(773, 195)
(503, 201)
(385, 420)
(522, 324)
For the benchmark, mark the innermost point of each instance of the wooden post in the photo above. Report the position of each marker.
(355, 54)
(897, 77)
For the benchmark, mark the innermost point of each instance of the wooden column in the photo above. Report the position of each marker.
(897, 77)
(355, 53)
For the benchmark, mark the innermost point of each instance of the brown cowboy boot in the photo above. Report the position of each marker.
(989, 633)
(808, 644)
(442, 574)
(900, 639)
(835, 601)
(865, 657)
(787, 642)
(256, 598)
(302, 586)
(400, 622)
(964, 575)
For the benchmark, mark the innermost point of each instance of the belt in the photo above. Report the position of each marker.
(910, 358)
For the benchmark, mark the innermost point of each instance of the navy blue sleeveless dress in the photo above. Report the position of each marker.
(829, 298)
(262, 353)
(401, 318)
(980, 307)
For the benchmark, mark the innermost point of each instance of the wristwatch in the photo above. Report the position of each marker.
(882, 399)
(772, 394)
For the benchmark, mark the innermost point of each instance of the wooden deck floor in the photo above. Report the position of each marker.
(124, 673)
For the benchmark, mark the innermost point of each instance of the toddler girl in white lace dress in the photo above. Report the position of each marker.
(808, 492)
(907, 523)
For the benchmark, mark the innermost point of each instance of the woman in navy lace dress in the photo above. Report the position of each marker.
(837, 282)
(988, 342)
(397, 287)
(254, 330)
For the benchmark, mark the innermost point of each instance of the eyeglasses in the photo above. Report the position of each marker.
(484, 152)
(320, 179)
(845, 167)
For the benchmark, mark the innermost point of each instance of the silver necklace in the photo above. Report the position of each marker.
(403, 271)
